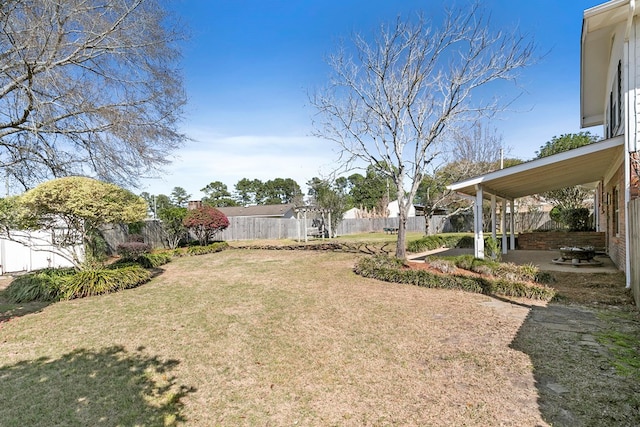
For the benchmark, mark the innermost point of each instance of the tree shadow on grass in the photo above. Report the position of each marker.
(574, 367)
(9, 310)
(86, 387)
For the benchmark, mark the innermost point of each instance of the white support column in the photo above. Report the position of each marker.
(596, 209)
(512, 225)
(493, 216)
(330, 230)
(304, 229)
(503, 225)
(477, 225)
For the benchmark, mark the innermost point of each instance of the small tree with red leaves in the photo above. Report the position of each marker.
(205, 222)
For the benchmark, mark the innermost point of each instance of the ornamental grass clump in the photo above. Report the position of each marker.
(43, 285)
(101, 281)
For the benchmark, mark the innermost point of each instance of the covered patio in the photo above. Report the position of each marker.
(587, 165)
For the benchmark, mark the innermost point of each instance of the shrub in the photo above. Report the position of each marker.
(43, 285)
(435, 241)
(135, 237)
(205, 222)
(442, 265)
(150, 260)
(510, 271)
(492, 247)
(101, 281)
(154, 259)
(464, 261)
(209, 249)
(391, 271)
(133, 250)
(465, 242)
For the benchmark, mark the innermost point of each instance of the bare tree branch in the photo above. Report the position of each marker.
(397, 99)
(88, 87)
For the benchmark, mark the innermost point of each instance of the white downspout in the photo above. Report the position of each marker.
(630, 128)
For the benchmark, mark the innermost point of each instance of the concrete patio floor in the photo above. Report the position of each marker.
(542, 259)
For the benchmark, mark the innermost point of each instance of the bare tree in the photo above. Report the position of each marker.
(395, 101)
(472, 151)
(87, 87)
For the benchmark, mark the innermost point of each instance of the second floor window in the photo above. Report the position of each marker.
(614, 107)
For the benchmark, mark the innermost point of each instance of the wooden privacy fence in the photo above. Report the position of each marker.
(634, 243)
(368, 225)
(251, 228)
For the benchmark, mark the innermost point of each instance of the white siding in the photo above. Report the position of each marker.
(634, 89)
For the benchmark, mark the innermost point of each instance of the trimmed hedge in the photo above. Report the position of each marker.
(436, 241)
(200, 250)
(391, 270)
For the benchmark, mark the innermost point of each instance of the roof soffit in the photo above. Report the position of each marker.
(580, 166)
(598, 26)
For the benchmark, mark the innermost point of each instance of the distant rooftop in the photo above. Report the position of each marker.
(271, 211)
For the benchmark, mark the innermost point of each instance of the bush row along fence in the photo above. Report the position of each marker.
(249, 228)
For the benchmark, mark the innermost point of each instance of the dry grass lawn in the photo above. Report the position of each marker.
(270, 338)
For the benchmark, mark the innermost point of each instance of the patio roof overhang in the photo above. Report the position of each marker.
(581, 166)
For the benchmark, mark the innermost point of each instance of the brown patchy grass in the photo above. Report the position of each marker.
(283, 338)
(254, 337)
(593, 289)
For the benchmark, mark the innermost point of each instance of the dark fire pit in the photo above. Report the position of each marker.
(577, 256)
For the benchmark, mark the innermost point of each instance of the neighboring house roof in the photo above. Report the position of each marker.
(597, 27)
(394, 210)
(264, 211)
(583, 165)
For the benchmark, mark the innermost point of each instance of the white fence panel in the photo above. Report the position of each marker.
(16, 257)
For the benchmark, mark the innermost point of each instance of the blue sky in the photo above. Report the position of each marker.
(249, 65)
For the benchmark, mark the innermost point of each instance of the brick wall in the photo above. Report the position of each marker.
(615, 234)
(556, 239)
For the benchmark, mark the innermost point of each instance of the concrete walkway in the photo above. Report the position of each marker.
(542, 259)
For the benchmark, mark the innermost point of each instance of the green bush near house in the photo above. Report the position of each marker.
(453, 240)
(392, 270)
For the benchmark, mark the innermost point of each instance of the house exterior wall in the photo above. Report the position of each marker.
(613, 217)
